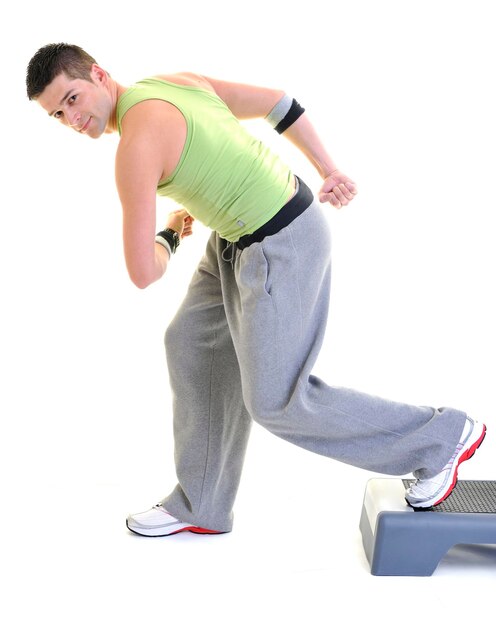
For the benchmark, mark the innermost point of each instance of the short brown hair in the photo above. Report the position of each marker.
(52, 60)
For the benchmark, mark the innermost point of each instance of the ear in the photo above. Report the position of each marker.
(98, 74)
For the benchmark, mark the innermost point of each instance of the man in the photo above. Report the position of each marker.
(244, 341)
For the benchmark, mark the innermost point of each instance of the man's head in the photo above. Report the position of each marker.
(67, 82)
(52, 60)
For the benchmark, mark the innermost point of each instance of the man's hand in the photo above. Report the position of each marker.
(337, 189)
(182, 222)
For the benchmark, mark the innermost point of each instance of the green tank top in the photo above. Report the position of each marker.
(226, 178)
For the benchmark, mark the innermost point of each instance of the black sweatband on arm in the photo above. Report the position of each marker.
(171, 237)
(291, 116)
(164, 244)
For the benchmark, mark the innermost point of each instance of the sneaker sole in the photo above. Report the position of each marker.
(468, 454)
(192, 529)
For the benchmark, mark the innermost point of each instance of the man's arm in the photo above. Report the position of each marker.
(137, 181)
(142, 160)
(337, 188)
(247, 101)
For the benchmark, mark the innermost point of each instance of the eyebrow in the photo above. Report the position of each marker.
(64, 98)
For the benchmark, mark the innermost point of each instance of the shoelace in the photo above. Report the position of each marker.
(418, 482)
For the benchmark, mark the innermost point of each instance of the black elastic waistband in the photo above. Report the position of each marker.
(302, 199)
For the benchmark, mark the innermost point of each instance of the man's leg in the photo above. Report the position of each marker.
(277, 321)
(211, 423)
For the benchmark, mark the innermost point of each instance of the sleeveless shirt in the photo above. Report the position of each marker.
(226, 178)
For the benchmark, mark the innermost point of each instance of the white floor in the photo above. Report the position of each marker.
(295, 555)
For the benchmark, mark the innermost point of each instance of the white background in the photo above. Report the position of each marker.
(403, 95)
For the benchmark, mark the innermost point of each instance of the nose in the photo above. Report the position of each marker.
(73, 118)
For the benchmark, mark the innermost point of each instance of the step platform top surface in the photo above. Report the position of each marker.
(388, 495)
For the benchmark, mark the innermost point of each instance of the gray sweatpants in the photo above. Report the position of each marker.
(242, 346)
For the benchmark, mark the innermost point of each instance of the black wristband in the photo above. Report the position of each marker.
(171, 237)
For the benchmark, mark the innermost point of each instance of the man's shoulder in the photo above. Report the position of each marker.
(150, 116)
(187, 79)
(152, 131)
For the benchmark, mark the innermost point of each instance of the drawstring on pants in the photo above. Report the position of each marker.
(230, 248)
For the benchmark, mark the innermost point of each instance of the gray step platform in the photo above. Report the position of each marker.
(400, 541)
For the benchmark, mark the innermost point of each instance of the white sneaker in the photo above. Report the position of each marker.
(428, 492)
(157, 522)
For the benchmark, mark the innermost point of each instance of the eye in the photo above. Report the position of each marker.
(58, 114)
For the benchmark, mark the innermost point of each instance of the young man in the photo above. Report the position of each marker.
(244, 341)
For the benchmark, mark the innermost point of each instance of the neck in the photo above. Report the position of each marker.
(115, 91)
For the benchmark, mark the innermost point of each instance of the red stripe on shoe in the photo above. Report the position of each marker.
(203, 531)
(468, 454)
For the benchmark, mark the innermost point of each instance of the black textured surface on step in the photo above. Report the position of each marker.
(469, 496)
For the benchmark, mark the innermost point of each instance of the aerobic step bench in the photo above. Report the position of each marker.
(401, 541)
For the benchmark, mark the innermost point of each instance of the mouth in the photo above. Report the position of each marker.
(85, 127)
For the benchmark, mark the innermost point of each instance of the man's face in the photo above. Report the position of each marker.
(79, 104)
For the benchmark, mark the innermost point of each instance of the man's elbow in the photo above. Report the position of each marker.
(142, 284)
(145, 271)
(141, 280)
